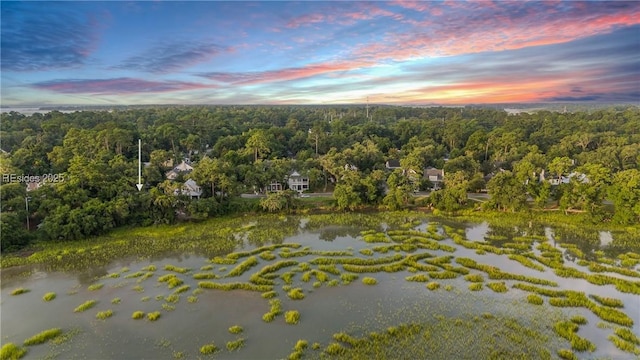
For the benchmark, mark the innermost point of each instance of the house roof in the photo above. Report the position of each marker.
(183, 167)
(393, 164)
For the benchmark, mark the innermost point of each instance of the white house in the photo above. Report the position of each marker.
(435, 176)
(298, 182)
(191, 189)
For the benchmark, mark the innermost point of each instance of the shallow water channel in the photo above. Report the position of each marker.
(200, 316)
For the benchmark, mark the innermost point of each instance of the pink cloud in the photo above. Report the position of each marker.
(250, 78)
(481, 32)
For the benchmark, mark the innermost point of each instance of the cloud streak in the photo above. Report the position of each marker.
(174, 56)
(118, 86)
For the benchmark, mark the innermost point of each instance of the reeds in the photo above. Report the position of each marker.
(295, 294)
(208, 349)
(19, 291)
(269, 294)
(137, 315)
(243, 267)
(417, 278)
(567, 330)
(578, 320)
(177, 269)
(49, 296)
(475, 286)
(94, 287)
(499, 287)
(292, 317)
(43, 337)
(534, 299)
(607, 301)
(103, 315)
(235, 344)
(276, 309)
(369, 281)
(11, 351)
(624, 345)
(627, 335)
(85, 306)
(567, 354)
(477, 278)
(153, 316)
(234, 286)
(433, 285)
(236, 329)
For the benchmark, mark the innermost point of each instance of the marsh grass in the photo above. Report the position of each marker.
(43, 337)
(49, 296)
(433, 285)
(181, 289)
(138, 288)
(567, 354)
(235, 344)
(192, 299)
(369, 281)
(85, 306)
(624, 345)
(607, 301)
(19, 291)
(173, 298)
(94, 287)
(168, 307)
(295, 294)
(137, 315)
(366, 252)
(206, 268)
(243, 267)
(208, 349)
(292, 317)
(177, 269)
(578, 320)
(234, 286)
(153, 316)
(499, 287)
(417, 278)
(475, 286)
(269, 294)
(11, 351)
(627, 335)
(567, 330)
(534, 299)
(103, 315)
(116, 301)
(477, 278)
(236, 329)
(205, 276)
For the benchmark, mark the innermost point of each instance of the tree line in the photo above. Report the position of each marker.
(342, 149)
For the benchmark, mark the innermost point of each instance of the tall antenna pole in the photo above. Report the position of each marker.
(367, 108)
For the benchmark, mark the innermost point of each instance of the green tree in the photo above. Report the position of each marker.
(507, 192)
(625, 195)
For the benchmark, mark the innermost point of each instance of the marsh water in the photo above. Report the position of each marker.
(354, 308)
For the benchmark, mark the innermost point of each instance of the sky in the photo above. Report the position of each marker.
(319, 52)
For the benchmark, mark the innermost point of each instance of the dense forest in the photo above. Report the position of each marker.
(593, 158)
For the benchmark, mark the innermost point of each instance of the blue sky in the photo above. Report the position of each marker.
(395, 52)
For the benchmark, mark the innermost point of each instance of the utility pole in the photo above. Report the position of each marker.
(26, 205)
